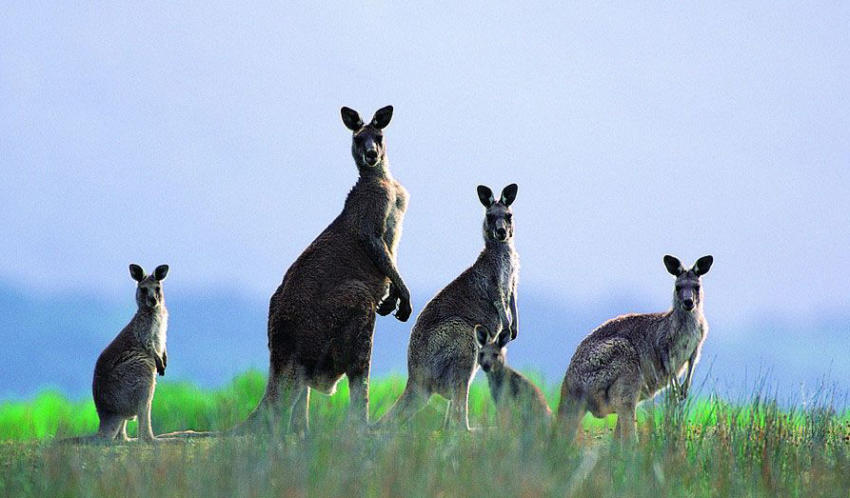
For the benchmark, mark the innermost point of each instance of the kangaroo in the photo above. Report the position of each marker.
(509, 388)
(322, 316)
(125, 372)
(630, 358)
(441, 355)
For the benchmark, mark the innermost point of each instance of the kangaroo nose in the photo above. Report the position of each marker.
(501, 232)
(372, 154)
(689, 303)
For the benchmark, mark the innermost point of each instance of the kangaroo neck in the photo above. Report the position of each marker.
(498, 248)
(496, 380)
(150, 313)
(380, 171)
(146, 318)
(680, 318)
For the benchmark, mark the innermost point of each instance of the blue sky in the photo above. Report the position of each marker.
(209, 138)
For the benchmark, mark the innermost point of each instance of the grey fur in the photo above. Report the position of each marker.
(632, 357)
(511, 390)
(322, 316)
(441, 356)
(125, 373)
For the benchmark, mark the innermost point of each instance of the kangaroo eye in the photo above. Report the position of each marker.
(508, 216)
(379, 139)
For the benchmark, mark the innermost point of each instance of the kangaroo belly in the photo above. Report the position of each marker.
(125, 385)
(325, 383)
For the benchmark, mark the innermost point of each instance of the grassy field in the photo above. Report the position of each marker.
(704, 447)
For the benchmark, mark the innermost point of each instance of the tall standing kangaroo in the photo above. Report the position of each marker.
(125, 372)
(441, 356)
(322, 316)
(632, 357)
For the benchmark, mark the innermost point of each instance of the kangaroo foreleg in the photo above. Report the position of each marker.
(389, 302)
(380, 255)
(160, 363)
(514, 314)
(502, 309)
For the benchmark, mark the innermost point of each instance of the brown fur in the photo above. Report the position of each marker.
(441, 356)
(512, 392)
(322, 316)
(125, 373)
(631, 357)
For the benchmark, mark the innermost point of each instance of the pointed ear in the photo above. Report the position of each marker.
(481, 335)
(703, 264)
(351, 119)
(137, 273)
(509, 194)
(485, 195)
(160, 272)
(674, 266)
(504, 338)
(382, 117)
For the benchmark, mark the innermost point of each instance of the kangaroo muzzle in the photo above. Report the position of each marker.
(370, 152)
(687, 298)
(501, 230)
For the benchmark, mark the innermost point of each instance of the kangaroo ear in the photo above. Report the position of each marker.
(509, 194)
(674, 266)
(382, 117)
(351, 118)
(703, 264)
(160, 272)
(482, 335)
(504, 338)
(485, 195)
(137, 273)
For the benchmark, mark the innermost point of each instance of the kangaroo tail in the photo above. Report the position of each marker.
(410, 401)
(571, 410)
(92, 438)
(188, 434)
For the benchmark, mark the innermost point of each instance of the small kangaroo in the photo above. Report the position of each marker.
(125, 372)
(441, 356)
(509, 388)
(322, 316)
(630, 358)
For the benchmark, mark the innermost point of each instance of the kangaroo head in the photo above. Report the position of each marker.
(367, 143)
(492, 353)
(498, 221)
(149, 288)
(688, 293)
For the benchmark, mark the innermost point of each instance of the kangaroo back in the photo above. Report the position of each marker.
(632, 357)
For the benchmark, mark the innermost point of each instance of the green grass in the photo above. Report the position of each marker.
(704, 447)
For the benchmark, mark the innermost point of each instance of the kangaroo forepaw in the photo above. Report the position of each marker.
(387, 306)
(404, 310)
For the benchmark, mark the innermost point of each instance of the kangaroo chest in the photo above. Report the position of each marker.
(688, 339)
(158, 332)
(151, 333)
(507, 266)
(395, 215)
